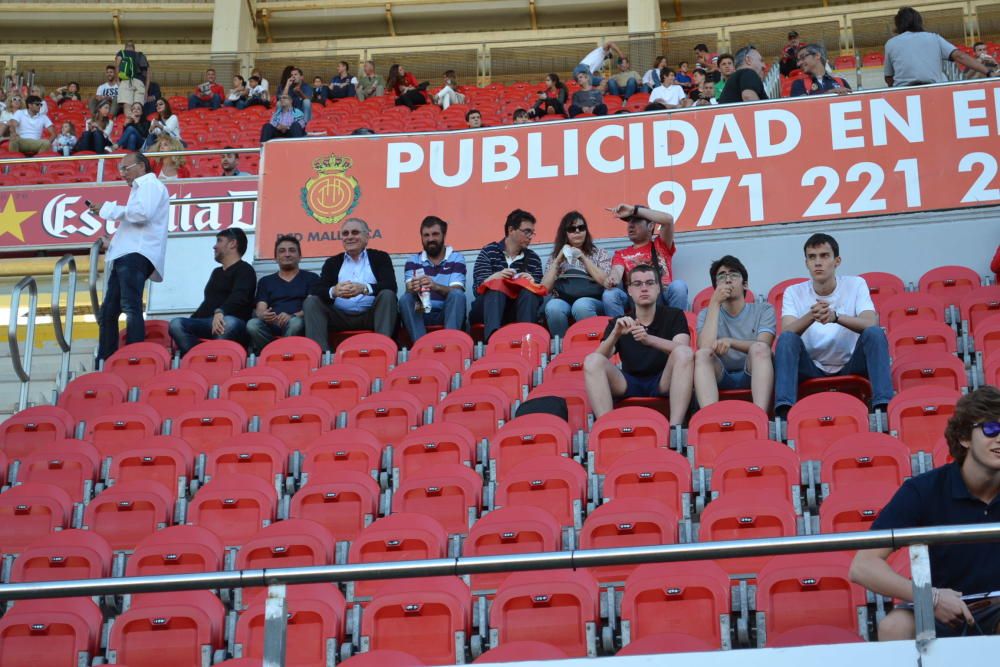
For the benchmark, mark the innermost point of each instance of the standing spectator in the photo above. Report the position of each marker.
(829, 328)
(135, 131)
(208, 94)
(280, 297)
(228, 301)
(575, 275)
(370, 84)
(299, 91)
(651, 79)
(320, 91)
(746, 84)
(443, 278)
(356, 289)
(473, 118)
(172, 167)
(552, 99)
(133, 75)
(913, 57)
(653, 344)
(257, 92)
(704, 58)
(287, 122)
(153, 95)
(107, 91)
(588, 99)
(344, 84)
(404, 85)
(66, 140)
(683, 76)
(657, 252)
(231, 165)
(449, 94)
(166, 122)
(726, 68)
(625, 83)
(26, 127)
(734, 339)
(790, 55)
(812, 62)
(593, 62)
(135, 254)
(71, 91)
(96, 135)
(238, 93)
(668, 95)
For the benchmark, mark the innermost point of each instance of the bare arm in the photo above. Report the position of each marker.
(889, 80)
(797, 324)
(870, 569)
(607, 346)
(710, 328)
(969, 62)
(858, 324)
(749, 96)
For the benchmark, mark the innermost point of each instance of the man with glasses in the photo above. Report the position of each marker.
(507, 258)
(966, 491)
(135, 254)
(747, 83)
(734, 339)
(654, 346)
(812, 62)
(356, 289)
(286, 122)
(26, 127)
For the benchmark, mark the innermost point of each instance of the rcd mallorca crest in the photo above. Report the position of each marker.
(331, 195)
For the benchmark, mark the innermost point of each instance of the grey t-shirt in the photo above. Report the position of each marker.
(915, 57)
(755, 318)
(588, 98)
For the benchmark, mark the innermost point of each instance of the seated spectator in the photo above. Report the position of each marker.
(14, 103)
(829, 328)
(552, 99)
(960, 493)
(734, 339)
(356, 289)
(656, 252)
(370, 84)
(171, 167)
(683, 73)
(135, 130)
(26, 127)
(653, 343)
(280, 297)
(521, 116)
(812, 62)
(593, 63)
(746, 84)
(668, 95)
(727, 67)
(286, 122)
(107, 91)
(38, 91)
(508, 258)
(293, 85)
(66, 140)
(449, 94)
(575, 275)
(698, 79)
(624, 83)
(703, 95)
(257, 92)
(153, 95)
(231, 164)
(62, 94)
(790, 55)
(344, 84)
(228, 300)
(651, 79)
(96, 135)
(208, 94)
(982, 55)
(915, 56)
(588, 99)
(165, 123)
(434, 283)
(263, 83)
(320, 91)
(404, 85)
(238, 93)
(473, 118)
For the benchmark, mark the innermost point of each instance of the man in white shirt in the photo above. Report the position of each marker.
(26, 128)
(830, 328)
(594, 61)
(135, 254)
(107, 91)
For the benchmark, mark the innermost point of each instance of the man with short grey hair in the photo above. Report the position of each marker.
(747, 82)
(817, 81)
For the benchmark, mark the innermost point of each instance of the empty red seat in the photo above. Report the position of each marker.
(288, 543)
(174, 634)
(92, 394)
(174, 392)
(526, 339)
(165, 459)
(987, 338)
(50, 633)
(341, 386)
(64, 555)
(979, 305)
(528, 436)
(510, 530)
(585, 335)
(918, 415)
(389, 415)
(427, 379)
(452, 348)
(921, 336)
(258, 455)
(659, 474)
(30, 511)
(210, 423)
(627, 522)
(746, 516)
(431, 445)
(854, 508)
(129, 511)
(917, 368)
(480, 408)
(761, 467)
(298, 421)
(176, 550)
(721, 425)
(371, 351)
(343, 449)
(553, 483)
(32, 428)
(120, 427)
(72, 465)
(234, 507)
(256, 390)
(567, 363)
(343, 502)
(215, 360)
(138, 362)
(293, 356)
(507, 371)
(450, 492)
(816, 421)
(909, 307)
(949, 283)
(397, 537)
(882, 286)
(625, 430)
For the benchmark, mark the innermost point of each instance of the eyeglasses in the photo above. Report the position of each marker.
(351, 232)
(990, 429)
(642, 283)
(529, 232)
(732, 275)
(125, 167)
(577, 228)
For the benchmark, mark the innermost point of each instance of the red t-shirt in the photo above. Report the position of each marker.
(633, 256)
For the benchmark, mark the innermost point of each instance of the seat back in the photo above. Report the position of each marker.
(658, 474)
(344, 449)
(295, 357)
(949, 283)
(209, 424)
(816, 421)
(298, 421)
(389, 415)
(129, 511)
(215, 360)
(574, 393)
(506, 371)
(341, 386)
(919, 415)
(553, 483)
(722, 425)
(525, 339)
(343, 502)
(625, 430)
(138, 362)
(585, 334)
(430, 445)
(450, 492)
(882, 286)
(64, 555)
(234, 507)
(510, 530)
(256, 389)
(758, 466)
(921, 336)
(933, 368)
(72, 465)
(174, 392)
(910, 307)
(853, 508)
(92, 393)
(479, 408)
(117, 429)
(452, 348)
(34, 427)
(528, 436)
(31, 511)
(397, 537)
(258, 455)
(167, 635)
(316, 615)
(627, 522)
(373, 352)
(159, 458)
(979, 305)
(427, 379)
(746, 516)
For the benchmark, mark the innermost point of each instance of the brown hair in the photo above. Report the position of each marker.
(981, 405)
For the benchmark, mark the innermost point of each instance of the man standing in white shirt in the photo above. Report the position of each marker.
(135, 254)
(830, 328)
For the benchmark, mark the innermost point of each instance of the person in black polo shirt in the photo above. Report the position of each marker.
(654, 344)
(966, 491)
(280, 297)
(228, 296)
(746, 83)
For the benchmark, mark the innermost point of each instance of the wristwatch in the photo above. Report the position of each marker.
(836, 317)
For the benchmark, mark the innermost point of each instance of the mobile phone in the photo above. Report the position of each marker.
(88, 203)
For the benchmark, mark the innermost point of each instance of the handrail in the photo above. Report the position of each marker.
(118, 156)
(95, 257)
(64, 335)
(22, 369)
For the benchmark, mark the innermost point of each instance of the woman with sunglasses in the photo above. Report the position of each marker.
(14, 103)
(575, 275)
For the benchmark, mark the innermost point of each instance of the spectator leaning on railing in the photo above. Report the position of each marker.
(913, 57)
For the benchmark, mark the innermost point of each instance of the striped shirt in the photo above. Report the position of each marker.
(492, 258)
(450, 272)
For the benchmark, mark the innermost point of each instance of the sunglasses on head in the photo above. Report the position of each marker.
(990, 429)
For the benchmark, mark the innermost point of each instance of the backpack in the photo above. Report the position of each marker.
(126, 67)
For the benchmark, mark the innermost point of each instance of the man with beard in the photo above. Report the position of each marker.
(280, 297)
(228, 298)
(438, 271)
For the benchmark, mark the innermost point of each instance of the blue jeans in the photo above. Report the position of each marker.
(792, 364)
(195, 102)
(129, 274)
(131, 140)
(557, 312)
(616, 300)
(495, 309)
(305, 106)
(189, 331)
(452, 316)
(261, 333)
(628, 91)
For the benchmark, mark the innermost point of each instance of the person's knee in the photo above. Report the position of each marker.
(897, 624)
(255, 327)
(873, 335)
(296, 327)
(789, 339)
(176, 327)
(759, 352)
(386, 296)
(232, 326)
(682, 356)
(594, 363)
(312, 304)
(704, 357)
(455, 297)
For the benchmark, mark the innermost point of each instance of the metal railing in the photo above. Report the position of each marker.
(64, 334)
(22, 368)
(917, 539)
(92, 275)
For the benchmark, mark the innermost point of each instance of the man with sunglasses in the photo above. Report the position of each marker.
(812, 62)
(135, 254)
(653, 344)
(26, 127)
(966, 491)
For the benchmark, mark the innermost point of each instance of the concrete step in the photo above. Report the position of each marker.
(45, 364)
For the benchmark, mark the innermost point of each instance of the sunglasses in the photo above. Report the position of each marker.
(577, 228)
(990, 429)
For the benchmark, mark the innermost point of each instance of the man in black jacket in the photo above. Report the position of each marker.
(356, 289)
(228, 301)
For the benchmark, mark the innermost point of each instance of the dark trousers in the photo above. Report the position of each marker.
(322, 318)
(494, 309)
(542, 106)
(92, 140)
(599, 110)
(411, 99)
(269, 132)
(129, 274)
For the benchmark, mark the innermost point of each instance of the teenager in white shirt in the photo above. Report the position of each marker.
(668, 93)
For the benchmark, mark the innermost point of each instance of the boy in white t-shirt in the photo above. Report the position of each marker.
(829, 328)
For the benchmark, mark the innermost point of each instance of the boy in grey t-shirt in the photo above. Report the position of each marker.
(734, 339)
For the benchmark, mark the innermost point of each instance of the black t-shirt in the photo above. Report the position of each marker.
(231, 290)
(742, 79)
(642, 360)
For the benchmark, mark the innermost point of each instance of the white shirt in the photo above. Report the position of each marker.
(651, 78)
(107, 90)
(595, 59)
(142, 223)
(829, 345)
(171, 126)
(30, 127)
(355, 271)
(670, 95)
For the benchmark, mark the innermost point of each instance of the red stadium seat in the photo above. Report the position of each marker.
(762, 467)
(427, 379)
(574, 393)
(856, 385)
(344, 449)
(918, 415)
(510, 530)
(371, 351)
(92, 394)
(622, 431)
(991, 371)
(256, 390)
(64, 555)
(383, 658)
(666, 643)
(174, 392)
(450, 492)
(865, 459)
(528, 340)
(776, 297)
(522, 651)
(138, 362)
(987, 338)
(288, 543)
(72, 465)
(553, 483)
(854, 508)
(234, 507)
(480, 408)
(817, 421)
(452, 348)
(910, 307)
(210, 423)
(432, 445)
(343, 502)
(585, 335)
(293, 356)
(721, 425)
(298, 421)
(389, 415)
(658, 474)
(341, 386)
(258, 455)
(920, 336)
(882, 286)
(746, 516)
(30, 511)
(215, 360)
(174, 634)
(702, 298)
(949, 283)
(567, 364)
(52, 633)
(918, 368)
(980, 305)
(627, 522)
(129, 511)
(397, 537)
(32, 428)
(509, 372)
(813, 635)
(526, 437)
(175, 550)
(157, 331)
(120, 427)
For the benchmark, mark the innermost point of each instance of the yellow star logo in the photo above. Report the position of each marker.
(11, 219)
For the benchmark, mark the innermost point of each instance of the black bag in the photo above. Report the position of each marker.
(574, 285)
(546, 405)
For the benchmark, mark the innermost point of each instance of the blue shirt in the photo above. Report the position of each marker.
(450, 272)
(941, 498)
(285, 296)
(356, 271)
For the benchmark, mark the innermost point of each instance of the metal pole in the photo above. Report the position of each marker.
(118, 156)
(22, 370)
(95, 257)
(275, 626)
(923, 595)
(213, 200)
(64, 335)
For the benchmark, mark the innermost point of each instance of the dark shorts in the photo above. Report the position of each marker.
(987, 617)
(642, 386)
